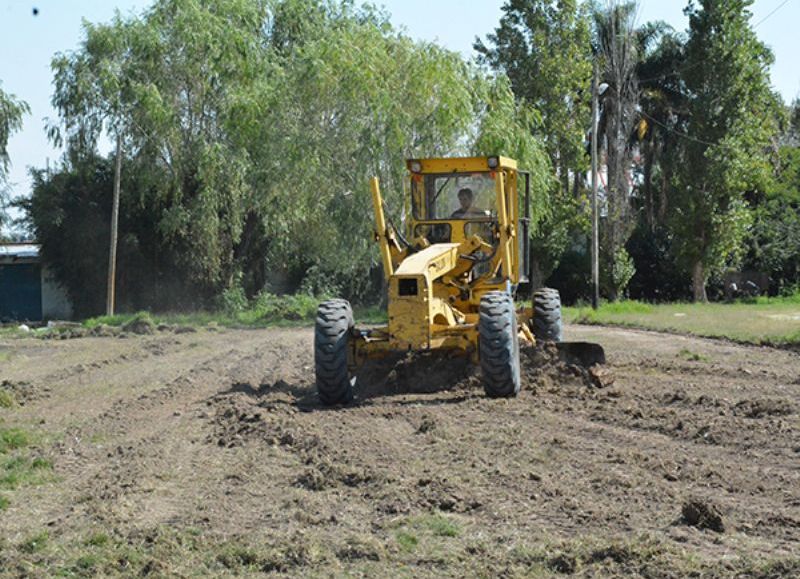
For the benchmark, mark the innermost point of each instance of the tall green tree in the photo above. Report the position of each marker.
(252, 128)
(171, 83)
(355, 99)
(724, 153)
(513, 127)
(544, 47)
(773, 246)
(12, 111)
(663, 114)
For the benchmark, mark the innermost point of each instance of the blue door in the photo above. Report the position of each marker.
(20, 292)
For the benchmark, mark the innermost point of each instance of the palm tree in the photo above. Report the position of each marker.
(618, 50)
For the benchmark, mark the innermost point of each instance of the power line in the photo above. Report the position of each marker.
(698, 63)
(681, 133)
(781, 5)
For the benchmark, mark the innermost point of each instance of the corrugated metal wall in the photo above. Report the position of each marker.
(20, 292)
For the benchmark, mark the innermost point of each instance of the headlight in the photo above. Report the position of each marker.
(494, 162)
(415, 166)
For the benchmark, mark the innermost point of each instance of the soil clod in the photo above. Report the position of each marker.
(702, 514)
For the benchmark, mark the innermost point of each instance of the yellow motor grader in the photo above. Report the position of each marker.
(452, 277)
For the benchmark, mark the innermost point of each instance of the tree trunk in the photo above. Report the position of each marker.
(699, 282)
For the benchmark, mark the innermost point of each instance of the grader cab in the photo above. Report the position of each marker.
(452, 277)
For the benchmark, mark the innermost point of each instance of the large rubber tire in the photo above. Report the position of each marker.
(546, 324)
(331, 334)
(498, 341)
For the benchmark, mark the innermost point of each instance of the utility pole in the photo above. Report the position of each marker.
(112, 253)
(595, 234)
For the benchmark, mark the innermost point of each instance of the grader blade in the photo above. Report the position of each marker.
(584, 354)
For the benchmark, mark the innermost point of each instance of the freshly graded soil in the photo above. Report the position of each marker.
(208, 453)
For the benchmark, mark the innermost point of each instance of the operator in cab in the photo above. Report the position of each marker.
(465, 199)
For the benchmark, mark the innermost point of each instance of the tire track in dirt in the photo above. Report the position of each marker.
(96, 365)
(160, 439)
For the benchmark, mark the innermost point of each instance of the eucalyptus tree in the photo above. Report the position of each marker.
(543, 46)
(12, 111)
(172, 82)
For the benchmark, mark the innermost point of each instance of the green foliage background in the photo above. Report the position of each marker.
(250, 129)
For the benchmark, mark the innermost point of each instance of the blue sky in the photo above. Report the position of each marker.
(28, 42)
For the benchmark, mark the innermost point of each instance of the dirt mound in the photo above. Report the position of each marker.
(703, 515)
(544, 365)
(763, 407)
(140, 325)
(65, 333)
(22, 392)
(104, 331)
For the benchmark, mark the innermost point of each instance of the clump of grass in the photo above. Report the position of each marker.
(21, 470)
(101, 555)
(35, 543)
(87, 562)
(441, 526)
(238, 556)
(141, 323)
(115, 320)
(18, 469)
(407, 541)
(12, 439)
(97, 540)
(626, 307)
(687, 354)
(413, 531)
(7, 399)
(264, 310)
(282, 555)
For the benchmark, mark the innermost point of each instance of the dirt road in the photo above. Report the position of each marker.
(206, 452)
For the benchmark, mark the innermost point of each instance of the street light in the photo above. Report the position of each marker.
(596, 92)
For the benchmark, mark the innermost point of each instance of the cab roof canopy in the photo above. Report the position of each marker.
(460, 164)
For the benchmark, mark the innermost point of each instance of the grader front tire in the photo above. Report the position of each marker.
(546, 323)
(332, 331)
(499, 345)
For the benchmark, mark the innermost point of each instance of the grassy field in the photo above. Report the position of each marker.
(774, 321)
(278, 311)
(770, 321)
(266, 311)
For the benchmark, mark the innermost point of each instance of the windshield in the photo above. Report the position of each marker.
(454, 196)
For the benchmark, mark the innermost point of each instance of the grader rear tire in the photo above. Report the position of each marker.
(498, 341)
(331, 334)
(546, 324)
